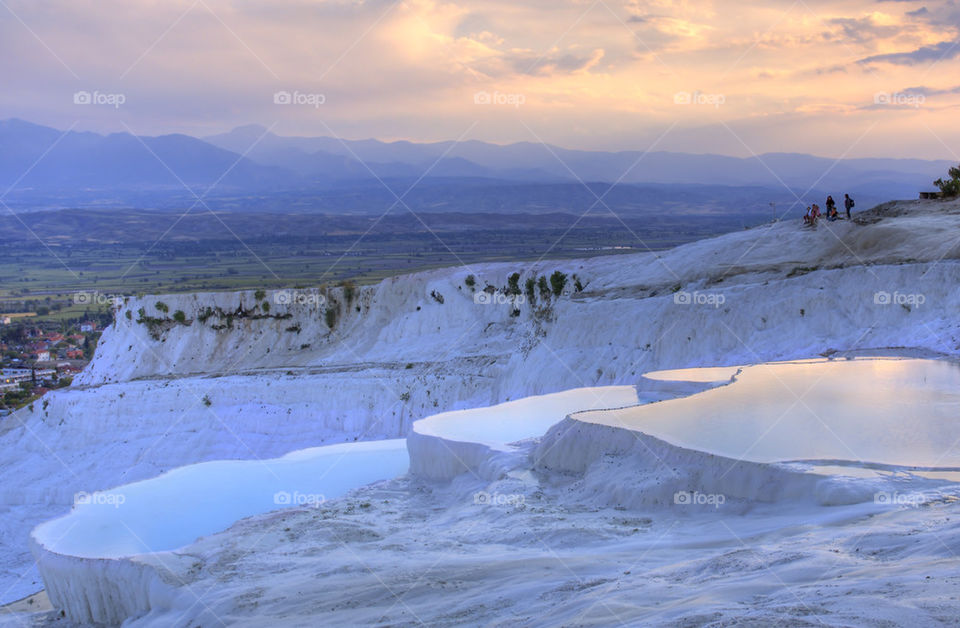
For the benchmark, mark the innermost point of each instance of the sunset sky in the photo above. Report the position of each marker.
(839, 78)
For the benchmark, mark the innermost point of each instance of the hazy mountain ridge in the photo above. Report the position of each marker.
(40, 163)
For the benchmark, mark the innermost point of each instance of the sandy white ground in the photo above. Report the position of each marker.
(787, 293)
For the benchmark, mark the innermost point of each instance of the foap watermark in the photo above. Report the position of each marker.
(499, 98)
(498, 298)
(93, 297)
(99, 499)
(309, 99)
(899, 99)
(483, 498)
(696, 498)
(83, 97)
(699, 98)
(296, 498)
(895, 498)
(298, 297)
(912, 299)
(715, 299)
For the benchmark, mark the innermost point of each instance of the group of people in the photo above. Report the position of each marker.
(813, 212)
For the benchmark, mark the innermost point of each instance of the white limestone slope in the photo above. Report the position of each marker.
(107, 559)
(276, 383)
(611, 515)
(832, 274)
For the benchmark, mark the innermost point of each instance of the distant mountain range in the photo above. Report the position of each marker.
(45, 165)
(527, 161)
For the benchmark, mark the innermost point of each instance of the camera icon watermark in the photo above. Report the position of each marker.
(309, 99)
(895, 498)
(715, 299)
(696, 498)
(498, 298)
(93, 297)
(883, 297)
(299, 297)
(484, 97)
(483, 498)
(99, 499)
(899, 99)
(699, 98)
(95, 97)
(296, 498)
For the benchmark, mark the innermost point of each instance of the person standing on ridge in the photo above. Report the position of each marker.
(831, 205)
(848, 204)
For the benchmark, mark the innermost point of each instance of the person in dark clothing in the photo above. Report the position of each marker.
(831, 205)
(848, 204)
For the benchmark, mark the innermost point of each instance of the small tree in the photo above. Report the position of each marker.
(950, 187)
(471, 281)
(529, 288)
(349, 291)
(513, 284)
(557, 281)
(544, 286)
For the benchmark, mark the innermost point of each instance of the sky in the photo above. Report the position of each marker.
(847, 78)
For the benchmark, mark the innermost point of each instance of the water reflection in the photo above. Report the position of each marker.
(890, 411)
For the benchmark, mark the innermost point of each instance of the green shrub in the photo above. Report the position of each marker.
(163, 307)
(950, 187)
(471, 281)
(204, 314)
(330, 316)
(180, 316)
(513, 284)
(259, 295)
(349, 291)
(530, 289)
(557, 281)
(543, 286)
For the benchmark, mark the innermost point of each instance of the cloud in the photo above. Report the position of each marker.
(932, 91)
(592, 74)
(942, 51)
(553, 64)
(864, 29)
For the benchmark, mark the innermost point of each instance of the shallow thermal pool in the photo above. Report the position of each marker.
(884, 411)
(175, 509)
(530, 417)
(879, 411)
